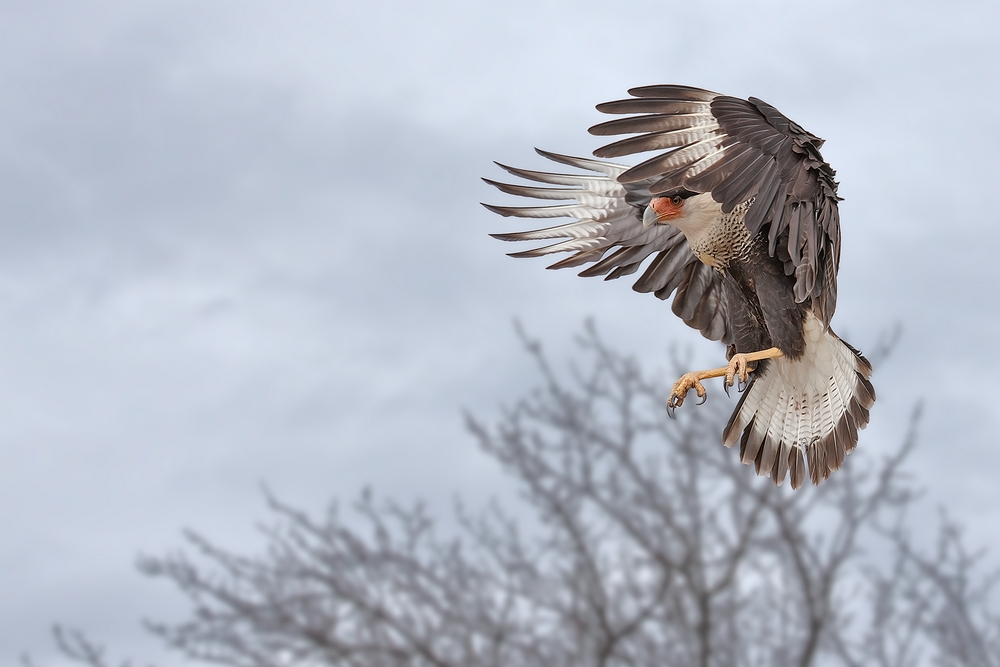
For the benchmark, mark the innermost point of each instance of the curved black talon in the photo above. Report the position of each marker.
(703, 399)
(671, 407)
(725, 385)
(742, 385)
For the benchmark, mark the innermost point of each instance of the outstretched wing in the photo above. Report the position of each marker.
(739, 150)
(608, 217)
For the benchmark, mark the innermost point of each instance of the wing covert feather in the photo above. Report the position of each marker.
(738, 150)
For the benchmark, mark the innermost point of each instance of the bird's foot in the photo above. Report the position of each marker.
(739, 368)
(686, 383)
(741, 365)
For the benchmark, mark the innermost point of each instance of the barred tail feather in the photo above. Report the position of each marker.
(805, 411)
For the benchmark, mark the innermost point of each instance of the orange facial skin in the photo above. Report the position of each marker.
(667, 208)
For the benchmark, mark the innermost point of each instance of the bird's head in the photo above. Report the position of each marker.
(666, 208)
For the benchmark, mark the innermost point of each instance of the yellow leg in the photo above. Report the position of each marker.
(738, 367)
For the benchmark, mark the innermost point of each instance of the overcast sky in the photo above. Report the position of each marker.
(240, 243)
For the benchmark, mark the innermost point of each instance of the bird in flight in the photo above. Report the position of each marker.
(738, 210)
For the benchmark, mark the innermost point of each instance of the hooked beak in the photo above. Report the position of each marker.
(663, 210)
(650, 217)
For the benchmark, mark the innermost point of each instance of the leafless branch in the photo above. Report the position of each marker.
(640, 540)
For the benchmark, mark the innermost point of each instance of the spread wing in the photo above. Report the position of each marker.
(607, 231)
(737, 150)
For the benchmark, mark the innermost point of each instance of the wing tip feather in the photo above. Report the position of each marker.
(499, 210)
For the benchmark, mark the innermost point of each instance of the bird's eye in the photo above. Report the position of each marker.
(676, 200)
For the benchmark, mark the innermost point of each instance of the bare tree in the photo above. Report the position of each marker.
(648, 544)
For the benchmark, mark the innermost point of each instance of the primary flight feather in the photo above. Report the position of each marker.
(738, 211)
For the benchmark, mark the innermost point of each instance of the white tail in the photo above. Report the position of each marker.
(807, 409)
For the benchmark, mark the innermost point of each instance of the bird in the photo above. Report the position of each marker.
(737, 213)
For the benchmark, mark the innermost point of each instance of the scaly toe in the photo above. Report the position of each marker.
(686, 383)
(737, 369)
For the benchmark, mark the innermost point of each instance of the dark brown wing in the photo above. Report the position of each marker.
(739, 150)
(608, 232)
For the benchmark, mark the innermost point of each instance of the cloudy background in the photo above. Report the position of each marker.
(241, 245)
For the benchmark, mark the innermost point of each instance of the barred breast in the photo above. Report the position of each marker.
(727, 239)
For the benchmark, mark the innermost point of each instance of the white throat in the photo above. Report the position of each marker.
(701, 215)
